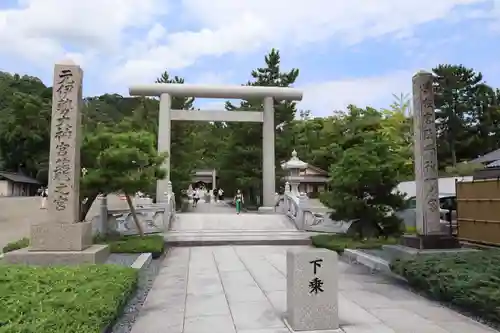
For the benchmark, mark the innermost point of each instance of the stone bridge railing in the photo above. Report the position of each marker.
(153, 218)
(296, 206)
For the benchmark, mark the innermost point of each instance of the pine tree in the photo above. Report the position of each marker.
(456, 88)
(242, 160)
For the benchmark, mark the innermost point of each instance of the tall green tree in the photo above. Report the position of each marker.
(25, 110)
(122, 160)
(484, 132)
(365, 174)
(402, 103)
(244, 148)
(456, 88)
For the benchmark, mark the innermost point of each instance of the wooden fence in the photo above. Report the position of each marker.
(478, 211)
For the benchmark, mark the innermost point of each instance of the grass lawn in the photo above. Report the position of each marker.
(340, 242)
(469, 280)
(154, 244)
(69, 299)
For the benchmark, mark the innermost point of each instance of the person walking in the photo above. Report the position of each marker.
(238, 200)
(221, 194)
(196, 197)
(44, 193)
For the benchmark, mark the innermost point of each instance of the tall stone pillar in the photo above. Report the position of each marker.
(268, 157)
(426, 169)
(426, 164)
(63, 239)
(164, 140)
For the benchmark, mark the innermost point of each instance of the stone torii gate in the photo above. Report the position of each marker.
(165, 91)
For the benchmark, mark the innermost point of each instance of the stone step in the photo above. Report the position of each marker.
(237, 237)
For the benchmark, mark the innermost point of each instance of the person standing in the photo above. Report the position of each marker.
(221, 194)
(44, 194)
(238, 200)
(196, 197)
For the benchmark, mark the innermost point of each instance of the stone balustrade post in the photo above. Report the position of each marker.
(303, 203)
(286, 197)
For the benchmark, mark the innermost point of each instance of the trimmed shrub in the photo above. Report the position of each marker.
(468, 280)
(338, 242)
(65, 299)
(154, 244)
(17, 245)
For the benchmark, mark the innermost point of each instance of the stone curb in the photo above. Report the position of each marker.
(142, 261)
(376, 264)
(368, 260)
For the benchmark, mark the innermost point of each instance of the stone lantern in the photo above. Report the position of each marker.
(294, 166)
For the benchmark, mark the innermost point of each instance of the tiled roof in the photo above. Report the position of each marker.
(490, 157)
(494, 164)
(18, 178)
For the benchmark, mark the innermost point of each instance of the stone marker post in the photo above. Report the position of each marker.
(428, 216)
(312, 290)
(63, 240)
(426, 164)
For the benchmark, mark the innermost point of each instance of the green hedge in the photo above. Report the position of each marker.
(117, 244)
(468, 280)
(70, 299)
(338, 242)
(17, 245)
(154, 244)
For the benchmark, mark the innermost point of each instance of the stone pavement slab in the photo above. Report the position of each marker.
(242, 289)
(211, 217)
(216, 224)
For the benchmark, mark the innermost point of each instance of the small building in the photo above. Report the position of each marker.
(491, 162)
(17, 185)
(446, 186)
(312, 179)
(205, 177)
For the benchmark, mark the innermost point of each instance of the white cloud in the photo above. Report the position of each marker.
(231, 26)
(325, 97)
(133, 40)
(40, 30)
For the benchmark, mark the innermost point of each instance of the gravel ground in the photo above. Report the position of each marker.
(146, 279)
(122, 259)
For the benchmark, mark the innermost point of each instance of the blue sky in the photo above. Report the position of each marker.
(359, 51)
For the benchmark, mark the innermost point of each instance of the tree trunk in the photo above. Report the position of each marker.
(85, 207)
(134, 215)
(453, 154)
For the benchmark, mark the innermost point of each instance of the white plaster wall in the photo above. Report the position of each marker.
(4, 188)
(446, 185)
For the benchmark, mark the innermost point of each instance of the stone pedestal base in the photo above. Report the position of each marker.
(266, 210)
(287, 324)
(428, 242)
(95, 254)
(61, 236)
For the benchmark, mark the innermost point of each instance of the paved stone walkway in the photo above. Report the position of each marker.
(219, 207)
(220, 216)
(242, 289)
(218, 224)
